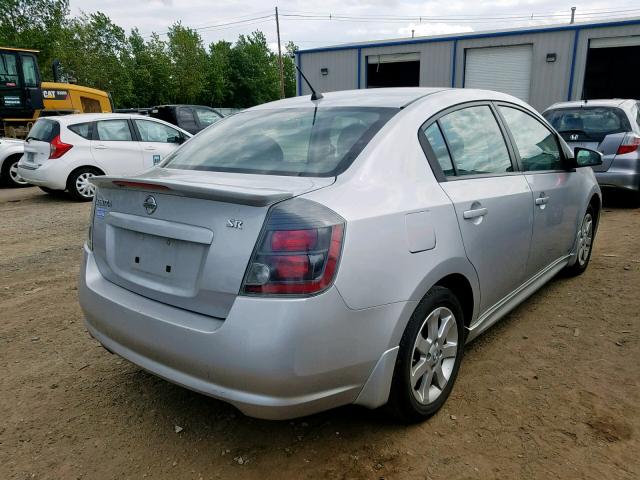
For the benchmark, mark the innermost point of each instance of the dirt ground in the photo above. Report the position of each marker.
(552, 391)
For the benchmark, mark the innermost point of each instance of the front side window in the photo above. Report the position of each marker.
(475, 141)
(114, 130)
(317, 142)
(9, 71)
(29, 71)
(206, 117)
(537, 146)
(156, 132)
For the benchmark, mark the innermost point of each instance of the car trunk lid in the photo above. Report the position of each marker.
(36, 152)
(185, 237)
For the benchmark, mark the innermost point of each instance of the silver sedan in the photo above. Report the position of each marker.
(306, 254)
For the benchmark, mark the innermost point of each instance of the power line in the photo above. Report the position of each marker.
(527, 15)
(427, 20)
(223, 26)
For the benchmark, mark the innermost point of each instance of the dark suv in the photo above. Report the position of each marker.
(191, 118)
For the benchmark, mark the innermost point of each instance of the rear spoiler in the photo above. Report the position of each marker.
(256, 197)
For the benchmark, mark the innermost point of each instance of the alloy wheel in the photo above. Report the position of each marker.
(585, 239)
(434, 355)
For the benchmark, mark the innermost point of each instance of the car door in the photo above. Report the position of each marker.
(492, 200)
(186, 120)
(115, 149)
(555, 188)
(157, 140)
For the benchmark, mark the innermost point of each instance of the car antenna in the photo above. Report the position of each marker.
(314, 95)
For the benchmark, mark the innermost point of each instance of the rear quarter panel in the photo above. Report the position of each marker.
(389, 180)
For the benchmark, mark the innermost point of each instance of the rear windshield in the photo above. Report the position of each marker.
(315, 142)
(44, 130)
(586, 124)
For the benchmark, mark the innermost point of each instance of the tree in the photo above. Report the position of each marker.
(254, 71)
(95, 51)
(188, 64)
(35, 24)
(219, 74)
(290, 70)
(151, 67)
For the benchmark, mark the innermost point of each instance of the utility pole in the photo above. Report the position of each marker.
(573, 14)
(280, 56)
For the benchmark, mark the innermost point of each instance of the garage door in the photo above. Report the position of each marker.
(505, 69)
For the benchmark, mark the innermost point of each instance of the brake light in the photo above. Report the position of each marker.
(140, 185)
(58, 148)
(629, 144)
(297, 252)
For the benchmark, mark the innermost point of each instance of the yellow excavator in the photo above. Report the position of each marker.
(24, 97)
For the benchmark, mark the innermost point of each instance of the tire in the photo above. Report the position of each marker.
(586, 235)
(9, 175)
(77, 184)
(418, 347)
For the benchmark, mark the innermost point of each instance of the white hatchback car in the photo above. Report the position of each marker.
(63, 153)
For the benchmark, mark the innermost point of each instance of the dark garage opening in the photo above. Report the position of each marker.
(392, 74)
(611, 73)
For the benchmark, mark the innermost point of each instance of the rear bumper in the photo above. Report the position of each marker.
(49, 175)
(619, 179)
(270, 358)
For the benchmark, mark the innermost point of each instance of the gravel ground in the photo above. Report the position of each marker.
(552, 391)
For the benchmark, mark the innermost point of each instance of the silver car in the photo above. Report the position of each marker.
(302, 255)
(610, 126)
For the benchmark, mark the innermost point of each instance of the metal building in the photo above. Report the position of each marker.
(540, 65)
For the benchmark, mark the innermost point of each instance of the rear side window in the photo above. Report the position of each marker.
(44, 130)
(82, 129)
(584, 124)
(475, 141)
(317, 142)
(536, 145)
(439, 147)
(114, 130)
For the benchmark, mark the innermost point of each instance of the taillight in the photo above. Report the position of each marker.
(297, 252)
(629, 144)
(58, 147)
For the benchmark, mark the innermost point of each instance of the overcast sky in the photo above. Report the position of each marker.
(452, 16)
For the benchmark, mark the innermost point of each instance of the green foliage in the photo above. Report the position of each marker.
(142, 72)
(35, 24)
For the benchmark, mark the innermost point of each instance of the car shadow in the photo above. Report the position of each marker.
(619, 199)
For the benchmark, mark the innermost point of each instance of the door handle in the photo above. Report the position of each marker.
(542, 200)
(100, 147)
(475, 213)
(150, 149)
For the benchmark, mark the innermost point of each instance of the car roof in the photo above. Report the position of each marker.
(370, 97)
(75, 118)
(612, 102)
(92, 117)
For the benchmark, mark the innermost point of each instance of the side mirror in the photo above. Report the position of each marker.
(176, 139)
(585, 157)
